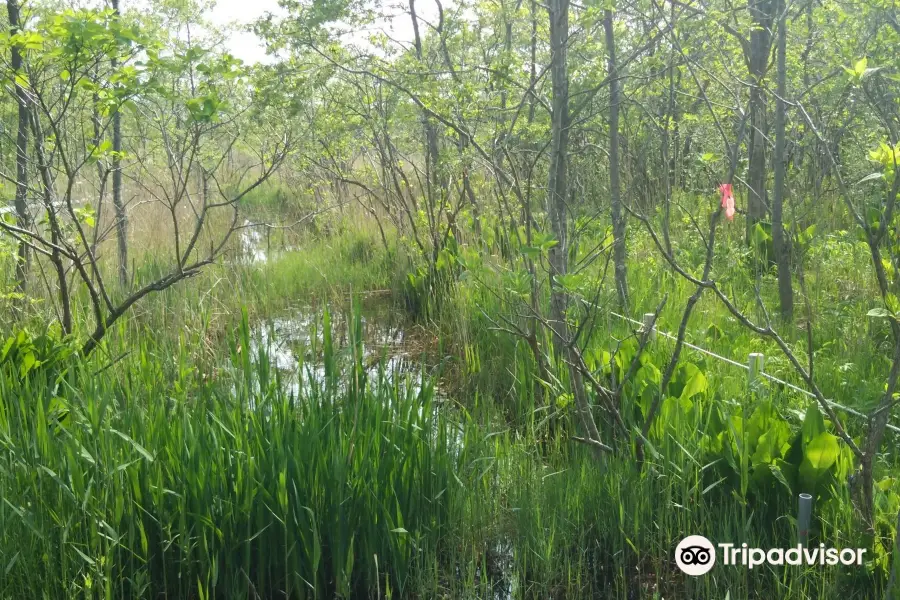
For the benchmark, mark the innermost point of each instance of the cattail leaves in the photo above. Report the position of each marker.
(193, 491)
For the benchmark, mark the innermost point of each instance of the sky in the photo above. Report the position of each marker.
(244, 45)
(248, 47)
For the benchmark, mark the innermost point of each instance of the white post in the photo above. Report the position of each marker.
(803, 518)
(649, 326)
(756, 364)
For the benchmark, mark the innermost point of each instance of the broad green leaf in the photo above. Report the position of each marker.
(871, 177)
(813, 424)
(822, 451)
(697, 384)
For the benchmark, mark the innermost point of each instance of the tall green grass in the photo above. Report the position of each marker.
(176, 462)
(135, 486)
(146, 480)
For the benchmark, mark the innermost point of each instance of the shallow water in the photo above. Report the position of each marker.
(392, 355)
(253, 244)
(256, 248)
(293, 343)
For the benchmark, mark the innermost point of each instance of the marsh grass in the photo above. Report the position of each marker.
(176, 462)
(155, 480)
(134, 487)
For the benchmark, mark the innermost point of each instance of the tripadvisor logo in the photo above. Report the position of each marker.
(695, 555)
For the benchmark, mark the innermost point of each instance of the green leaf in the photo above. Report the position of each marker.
(444, 259)
(823, 451)
(28, 362)
(880, 313)
(32, 41)
(570, 281)
(697, 384)
(813, 424)
(806, 236)
(892, 302)
(7, 347)
(779, 476)
(544, 241)
(760, 235)
(86, 215)
(141, 450)
(870, 177)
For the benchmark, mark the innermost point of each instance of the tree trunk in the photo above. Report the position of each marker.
(760, 45)
(532, 78)
(615, 192)
(557, 189)
(558, 176)
(25, 121)
(21, 205)
(102, 171)
(782, 257)
(56, 235)
(118, 205)
(434, 180)
(667, 161)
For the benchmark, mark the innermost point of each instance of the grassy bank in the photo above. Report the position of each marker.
(130, 486)
(177, 461)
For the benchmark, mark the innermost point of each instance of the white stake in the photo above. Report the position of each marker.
(649, 326)
(803, 518)
(756, 363)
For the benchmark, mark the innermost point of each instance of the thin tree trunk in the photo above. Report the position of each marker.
(558, 175)
(557, 189)
(667, 162)
(618, 217)
(118, 205)
(532, 77)
(434, 181)
(782, 258)
(760, 44)
(27, 120)
(21, 205)
(539, 391)
(56, 237)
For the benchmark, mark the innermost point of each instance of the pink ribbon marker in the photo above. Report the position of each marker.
(727, 200)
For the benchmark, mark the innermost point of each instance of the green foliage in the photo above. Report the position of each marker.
(183, 460)
(24, 352)
(146, 490)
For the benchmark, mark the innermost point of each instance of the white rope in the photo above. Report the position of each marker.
(746, 367)
(689, 345)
